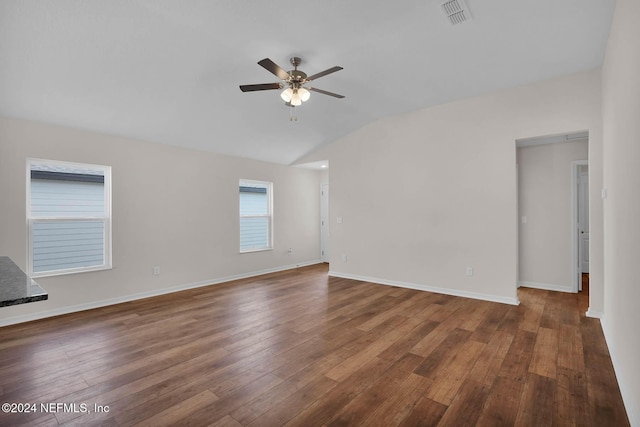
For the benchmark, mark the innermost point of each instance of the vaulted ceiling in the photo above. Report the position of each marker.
(168, 71)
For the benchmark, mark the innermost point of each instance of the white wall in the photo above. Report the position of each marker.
(621, 124)
(324, 177)
(172, 207)
(426, 194)
(544, 196)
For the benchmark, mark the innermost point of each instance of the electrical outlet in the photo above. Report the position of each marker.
(290, 251)
(469, 271)
(344, 257)
(156, 271)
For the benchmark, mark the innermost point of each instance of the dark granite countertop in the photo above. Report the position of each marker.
(16, 287)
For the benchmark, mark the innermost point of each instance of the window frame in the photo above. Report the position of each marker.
(106, 219)
(269, 215)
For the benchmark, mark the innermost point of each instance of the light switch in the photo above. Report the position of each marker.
(524, 219)
(339, 220)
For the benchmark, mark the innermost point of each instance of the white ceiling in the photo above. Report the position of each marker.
(168, 71)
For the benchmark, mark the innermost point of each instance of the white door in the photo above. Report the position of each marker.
(324, 222)
(583, 220)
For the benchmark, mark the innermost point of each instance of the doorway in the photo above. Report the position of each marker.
(553, 232)
(580, 222)
(324, 222)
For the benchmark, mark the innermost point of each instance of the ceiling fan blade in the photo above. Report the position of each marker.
(325, 92)
(274, 68)
(263, 86)
(324, 73)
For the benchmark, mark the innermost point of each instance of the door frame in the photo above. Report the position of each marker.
(324, 222)
(576, 270)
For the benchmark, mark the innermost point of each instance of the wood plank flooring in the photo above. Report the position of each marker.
(298, 348)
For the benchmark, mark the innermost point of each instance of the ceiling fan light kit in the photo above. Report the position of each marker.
(287, 94)
(295, 96)
(294, 93)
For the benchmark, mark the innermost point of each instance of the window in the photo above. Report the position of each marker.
(69, 217)
(256, 216)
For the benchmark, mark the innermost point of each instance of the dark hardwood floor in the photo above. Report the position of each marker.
(298, 348)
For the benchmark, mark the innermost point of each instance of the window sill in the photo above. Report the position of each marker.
(65, 272)
(248, 251)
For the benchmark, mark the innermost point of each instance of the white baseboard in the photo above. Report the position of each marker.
(594, 313)
(118, 300)
(546, 286)
(420, 287)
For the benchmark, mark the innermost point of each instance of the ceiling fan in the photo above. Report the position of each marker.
(293, 81)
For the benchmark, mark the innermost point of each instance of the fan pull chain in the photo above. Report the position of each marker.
(292, 118)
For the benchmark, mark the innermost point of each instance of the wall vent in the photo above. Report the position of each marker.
(457, 11)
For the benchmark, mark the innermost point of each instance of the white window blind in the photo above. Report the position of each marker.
(69, 217)
(255, 216)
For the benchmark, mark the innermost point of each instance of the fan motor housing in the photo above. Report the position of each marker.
(297, 75)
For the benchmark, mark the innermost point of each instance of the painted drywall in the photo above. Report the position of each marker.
(621, 133)
(424, 195)
(173, 208)
(324, 177)
(544, 198)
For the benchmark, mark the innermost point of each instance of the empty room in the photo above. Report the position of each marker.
(414, 213)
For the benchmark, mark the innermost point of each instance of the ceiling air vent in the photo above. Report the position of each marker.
(457, 11)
